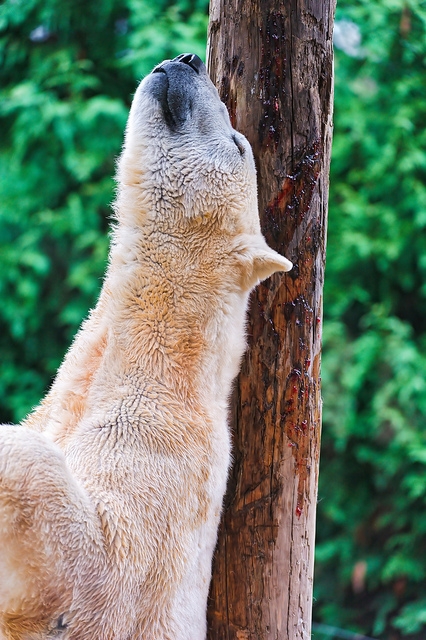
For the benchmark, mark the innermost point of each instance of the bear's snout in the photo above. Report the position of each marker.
(174, 84)
(190, 59)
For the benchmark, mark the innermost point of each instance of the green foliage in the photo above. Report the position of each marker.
(373, 471)
(68, 69)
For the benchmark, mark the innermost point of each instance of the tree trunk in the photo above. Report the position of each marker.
(272, 64)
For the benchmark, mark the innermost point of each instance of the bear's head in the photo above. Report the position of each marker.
(184, 168)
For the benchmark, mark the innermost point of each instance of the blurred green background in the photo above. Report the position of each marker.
(67, 72)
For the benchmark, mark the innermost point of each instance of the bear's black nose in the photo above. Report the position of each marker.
(175, 86)
(191, 60)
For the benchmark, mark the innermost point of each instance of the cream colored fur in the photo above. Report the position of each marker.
(111, 490)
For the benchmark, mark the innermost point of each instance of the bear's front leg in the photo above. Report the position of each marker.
(51, 549)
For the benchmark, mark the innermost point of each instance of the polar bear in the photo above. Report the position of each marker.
(111, 490)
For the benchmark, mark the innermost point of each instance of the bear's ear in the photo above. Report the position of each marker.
(265, 263)
(262, 263)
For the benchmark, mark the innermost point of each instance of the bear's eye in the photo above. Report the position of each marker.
(239, 146)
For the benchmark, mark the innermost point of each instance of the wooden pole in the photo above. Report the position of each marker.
(272, 63)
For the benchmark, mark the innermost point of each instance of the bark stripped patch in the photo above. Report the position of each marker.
(272, 75)
(297, 234)
(300, 421)
(289, 208)
(233, 70)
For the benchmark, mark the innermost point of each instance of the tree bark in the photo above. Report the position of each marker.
(272, 64)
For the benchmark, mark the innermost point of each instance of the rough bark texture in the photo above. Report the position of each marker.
(272, 64)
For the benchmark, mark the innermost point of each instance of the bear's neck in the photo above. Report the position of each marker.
(154, 331)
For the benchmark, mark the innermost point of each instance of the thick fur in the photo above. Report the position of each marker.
(111, 490)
